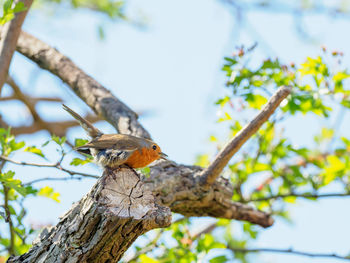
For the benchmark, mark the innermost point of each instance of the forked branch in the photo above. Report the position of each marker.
(210, 174)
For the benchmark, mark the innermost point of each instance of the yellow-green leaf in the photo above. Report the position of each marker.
(34, 150)
(49, 193)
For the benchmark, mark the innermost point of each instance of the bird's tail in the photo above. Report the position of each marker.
(87, 126)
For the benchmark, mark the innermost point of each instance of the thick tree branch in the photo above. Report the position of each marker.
(8, 38)
(103, 224)
(175, 186)
(288, 251)
(89, 90)
(210, 174)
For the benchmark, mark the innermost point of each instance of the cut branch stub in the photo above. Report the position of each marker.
(103, 224)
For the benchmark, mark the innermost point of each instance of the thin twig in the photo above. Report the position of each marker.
(52, 179)
(150, 246)
(287, 251)
(210, 174)
(35, 100)
(8, 219)
(306, 195)
(54, 165)
(9, 36)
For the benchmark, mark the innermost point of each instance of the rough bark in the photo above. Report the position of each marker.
(172, 185)
(100, 99)
(8, 38)
(102, 225)
(177, 187)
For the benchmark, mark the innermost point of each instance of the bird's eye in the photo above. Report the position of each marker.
(154, 147)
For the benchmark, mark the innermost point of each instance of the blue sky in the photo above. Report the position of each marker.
(171, 69)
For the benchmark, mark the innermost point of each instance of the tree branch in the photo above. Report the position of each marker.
(103, 224)
(287, 251)
(8, 38)
(305, 195)
(89, 90)
(58, 128)
(210, 174)
(54, 165)
(175, 186)
(34, 100)
(8, 219)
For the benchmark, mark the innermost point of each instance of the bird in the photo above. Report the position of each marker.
(114, 150)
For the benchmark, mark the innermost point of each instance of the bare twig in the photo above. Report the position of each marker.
(210, 174)
(34, 100)
(150, 246)
(8, 219)
(44, 179)
(58, 128)
(19, 94)
(306, 195)
(287, 251)
(54, 165)
(8, 39)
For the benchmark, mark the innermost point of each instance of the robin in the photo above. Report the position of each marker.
(113, 150)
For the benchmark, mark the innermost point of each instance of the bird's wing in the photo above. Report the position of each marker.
(116, 142)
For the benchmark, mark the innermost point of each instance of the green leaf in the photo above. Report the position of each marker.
(16, 145)
(19, 7)
(58, 140)
(45, 143)
(255, 101)
(78, 161)
(146, 171)
(34, 150)
(49, 193)
(7, 6)
(15, 184)
(202, 160)
(219, 259)
(227, 117)
(80, 142)
(222, 102)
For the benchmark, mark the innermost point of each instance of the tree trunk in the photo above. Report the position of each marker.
(103, 224)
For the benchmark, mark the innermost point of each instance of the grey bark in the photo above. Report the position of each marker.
(102, 225)
(173, 186)
(100, 99)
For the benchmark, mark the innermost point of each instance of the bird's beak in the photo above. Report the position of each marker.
(163, 156)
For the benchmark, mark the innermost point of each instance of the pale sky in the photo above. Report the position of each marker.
(172, 70)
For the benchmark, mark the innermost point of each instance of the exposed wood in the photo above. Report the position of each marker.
(102, 225)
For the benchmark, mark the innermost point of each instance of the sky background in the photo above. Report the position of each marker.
(171, 71)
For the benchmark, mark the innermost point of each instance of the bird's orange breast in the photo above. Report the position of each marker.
(142, 158)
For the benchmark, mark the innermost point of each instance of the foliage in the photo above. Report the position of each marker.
(9, 10)
(271, 171)
(13, 192)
